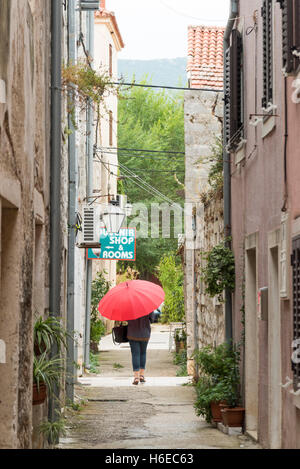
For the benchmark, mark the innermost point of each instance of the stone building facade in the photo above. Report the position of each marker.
(24, 205)
(203, 221)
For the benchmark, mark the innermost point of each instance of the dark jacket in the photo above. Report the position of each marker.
(140, 328)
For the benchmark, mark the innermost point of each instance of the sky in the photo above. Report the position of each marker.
(157, 29)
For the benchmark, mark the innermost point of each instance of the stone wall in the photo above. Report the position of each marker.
(203, 223)
(24, 204)
(210, 311)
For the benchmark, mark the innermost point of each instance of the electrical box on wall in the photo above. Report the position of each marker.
(262, 303)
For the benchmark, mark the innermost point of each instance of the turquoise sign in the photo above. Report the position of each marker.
(115, 246)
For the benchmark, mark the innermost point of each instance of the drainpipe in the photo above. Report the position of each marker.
(55, 178)
(72, 184)
(89, 152)
(227, 178)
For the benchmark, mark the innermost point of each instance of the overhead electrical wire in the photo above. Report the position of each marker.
(170, 201)
(142, 150)
(121, 83)
(156, 158)
(149, 170)
(141, 183)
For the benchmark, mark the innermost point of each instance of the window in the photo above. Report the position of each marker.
(234, 91)
(290, 34)
(295, 261)
(110, 60)
(267, 18)
(110, 128)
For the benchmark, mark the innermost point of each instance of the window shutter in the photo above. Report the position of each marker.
(227, 96)
(235, 86)
(287, 35)
(297, 30)
(296, 305)
(290, 31)
(267, 18)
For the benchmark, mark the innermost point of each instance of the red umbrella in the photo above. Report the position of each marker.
(131, 300)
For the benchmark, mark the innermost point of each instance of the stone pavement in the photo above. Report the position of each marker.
(156, 415)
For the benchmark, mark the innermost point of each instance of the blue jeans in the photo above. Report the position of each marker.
(138, 353)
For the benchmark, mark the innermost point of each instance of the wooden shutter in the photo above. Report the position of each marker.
(287, 35)
(227, 97)
(295, 261)
(297, 31)
(235, 86)
(267, 18)
(290, 33)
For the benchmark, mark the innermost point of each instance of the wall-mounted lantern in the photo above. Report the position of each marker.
(113, 217)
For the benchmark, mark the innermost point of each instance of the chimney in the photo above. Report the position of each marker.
(102, 4)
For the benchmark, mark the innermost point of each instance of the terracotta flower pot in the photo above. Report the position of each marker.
(233, 417)
(216, 410)
(39, 395)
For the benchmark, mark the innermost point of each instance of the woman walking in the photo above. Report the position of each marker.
(138, 334)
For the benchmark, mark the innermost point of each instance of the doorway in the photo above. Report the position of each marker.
(274, 348)
(251, 343)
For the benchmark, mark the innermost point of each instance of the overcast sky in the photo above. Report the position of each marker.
(154, 29)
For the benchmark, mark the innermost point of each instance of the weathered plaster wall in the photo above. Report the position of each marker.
(24, 196)
(258, 193)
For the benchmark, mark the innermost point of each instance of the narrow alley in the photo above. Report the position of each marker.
(157, 414)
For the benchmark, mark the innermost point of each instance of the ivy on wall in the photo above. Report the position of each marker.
(219, 271)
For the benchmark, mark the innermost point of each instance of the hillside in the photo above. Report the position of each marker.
(165, 72)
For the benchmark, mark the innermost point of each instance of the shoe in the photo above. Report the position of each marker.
(142, 379)
(136, 381)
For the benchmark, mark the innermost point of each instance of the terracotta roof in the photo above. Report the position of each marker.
(205, 56)
(109, 16)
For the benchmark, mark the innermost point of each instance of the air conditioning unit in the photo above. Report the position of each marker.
(90, 236)
(89, 5)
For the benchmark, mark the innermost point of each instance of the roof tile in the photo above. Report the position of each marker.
(205, 61)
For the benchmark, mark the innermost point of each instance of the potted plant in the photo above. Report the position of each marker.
(46, 373)
(220, 367)
(48, 331)
(232, 414)
(180, 340)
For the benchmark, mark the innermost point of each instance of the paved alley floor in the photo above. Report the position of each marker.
(156, 415)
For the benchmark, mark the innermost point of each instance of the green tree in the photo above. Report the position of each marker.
(152, 120)
(170, 274)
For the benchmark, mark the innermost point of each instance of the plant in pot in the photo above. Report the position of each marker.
(204, 398)
(180, 340)
(220, 366)
(46, 374)
(47, 332)
(232, 414)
